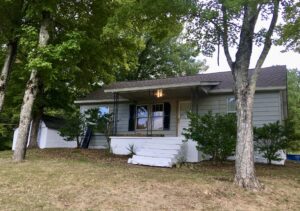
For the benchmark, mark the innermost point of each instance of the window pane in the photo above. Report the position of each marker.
(103, 110)
(157, 123)
(231, 107)
(142, 111)
(157, 110)
(158, 113)
(142, 123)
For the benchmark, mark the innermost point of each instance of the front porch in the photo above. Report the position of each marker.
(157, 118)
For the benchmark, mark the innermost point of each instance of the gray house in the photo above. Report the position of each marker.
(149, 115)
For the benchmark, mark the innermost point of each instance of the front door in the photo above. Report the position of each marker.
(184, 107)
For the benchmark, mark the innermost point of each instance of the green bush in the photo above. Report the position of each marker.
(273, 137)
(77, 123)
(74, 127)
(215, 134)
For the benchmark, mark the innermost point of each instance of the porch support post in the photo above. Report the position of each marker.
(195, 99)
(115, 113)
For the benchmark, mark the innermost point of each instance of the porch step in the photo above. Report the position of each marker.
(151, 161)
(157, 153)
(151, 151)
(162, 146)
(161, 153)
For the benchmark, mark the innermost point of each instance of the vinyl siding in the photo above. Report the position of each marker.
(267, 108)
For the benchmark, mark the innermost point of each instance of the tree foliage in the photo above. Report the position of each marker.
(290, 29)
(169, 57)
(74, 127)
(272, 137)
(215, 134)
(294, 99)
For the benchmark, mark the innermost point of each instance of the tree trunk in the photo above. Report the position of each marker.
(78, 142)
(29, 96)
(244, 154)
(35, 126)
(37, 117)
(244, 163)
(6, 69)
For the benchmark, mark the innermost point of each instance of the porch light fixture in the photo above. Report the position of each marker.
(159, 93)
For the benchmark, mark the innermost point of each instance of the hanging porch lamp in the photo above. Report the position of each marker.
(159, 93)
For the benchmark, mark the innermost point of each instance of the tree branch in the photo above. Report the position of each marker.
(224, 35)
(266, 48)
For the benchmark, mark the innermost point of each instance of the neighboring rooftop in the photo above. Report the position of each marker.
(53, 122)
(270, 77)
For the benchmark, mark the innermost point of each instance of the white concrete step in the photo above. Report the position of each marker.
(151, 161)
(151, 153)
(161, 146)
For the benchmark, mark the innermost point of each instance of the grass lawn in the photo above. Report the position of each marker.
(91, 180)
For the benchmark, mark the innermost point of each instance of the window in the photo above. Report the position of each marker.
(149, 117)
(142, 117)
(103, 110)
(231, 105)
(158, 117)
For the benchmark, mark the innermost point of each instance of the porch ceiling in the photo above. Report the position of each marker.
(168, 93)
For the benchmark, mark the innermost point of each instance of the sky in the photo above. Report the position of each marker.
(275, 57)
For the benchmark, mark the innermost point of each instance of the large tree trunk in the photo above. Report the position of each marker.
(29, 96)
(244, 163)
(6, 69)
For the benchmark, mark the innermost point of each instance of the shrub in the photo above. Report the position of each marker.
(271, 138)
(215, 134)
(131, 149)
(74, 127)
(77, 123)
(100, 123)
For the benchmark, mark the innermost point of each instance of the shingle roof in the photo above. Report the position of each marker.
(274, 76)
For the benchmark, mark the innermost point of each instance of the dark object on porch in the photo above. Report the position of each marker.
(293, 157)
(87, 138)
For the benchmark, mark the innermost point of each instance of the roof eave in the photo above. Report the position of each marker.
(80, 102)
(271, 88)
